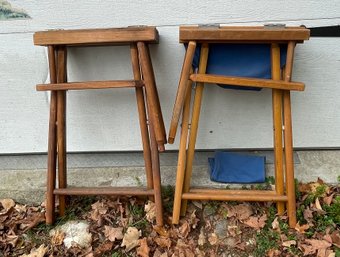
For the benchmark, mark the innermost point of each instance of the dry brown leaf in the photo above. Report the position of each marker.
(336, 238)
(288, 243)
(308, 214)
(40, 252)
(103, 248)
(307, 249)
(112, 233)
(163, 241)
(98, 209)
(7, 204)
(256, 222)
(273, 253)
(130, 239)
(143, 250)
(275, 224)
(317, 204)
(193, 221)
(213, 239)
(150, 210)
(57, 237)
(318, 244)
(184, 229)
(240, 211)
(20, 208)
(32, 221)
(328, 199)
(201, 238)
(12, 240)
(301, 229)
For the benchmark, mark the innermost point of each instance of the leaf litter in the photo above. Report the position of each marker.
(125, 226)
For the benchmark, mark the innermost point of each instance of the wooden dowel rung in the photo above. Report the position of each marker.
(103, 191)
(247, 82)
(90, 85)
(235, 197)
(231, 191)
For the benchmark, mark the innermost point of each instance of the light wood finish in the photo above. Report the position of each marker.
(241, 34)
(284, 193)
(232, 191)
(84, 37)
(194, 123)
(61, 127)
(277, 121)
(179, 102)
(52, 144)
(152, 95)
(90, 85)
(125, 191)
(231, 197)
(181, 164)
(246, 82)
(288, 140)
(144, 82)
(142, 116)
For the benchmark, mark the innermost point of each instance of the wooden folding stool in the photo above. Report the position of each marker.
(153, 136)
(280, 83)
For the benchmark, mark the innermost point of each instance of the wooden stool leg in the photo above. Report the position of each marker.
(288, 140)
(52, 146)
(156, 177)
(194, 124)
(187, 65)
(277, 121)
(61, 127)
(159, 110)
(150, 89)
(182, 155)
(142, 116)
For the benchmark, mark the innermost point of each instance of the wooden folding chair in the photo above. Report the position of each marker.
(153, 137)
(281, 85)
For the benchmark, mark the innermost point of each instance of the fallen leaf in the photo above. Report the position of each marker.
(201, 238)
(328, 199)
(184, 229)
(103, 248)
(193, 221)
(130, 239)
(163, 241)
(150, 210)
(240, 211)
(40, 252)
(275, 224)
(336, 238)
(112, 233)
(301, 229)
(288, 243)
(12, 240)
(317, 204)
(318, 244)
(143, 250)
(20, 208)
(7, 204)
(256, 222)
(57, 237)
(308, 214)
(98, 209)
(273, 253)
(213, 239)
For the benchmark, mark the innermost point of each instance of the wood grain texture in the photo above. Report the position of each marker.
(84, 37)
(90, 85)
(245, 82)
(234, 197)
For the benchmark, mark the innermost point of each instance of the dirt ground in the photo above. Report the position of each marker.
(119, 227)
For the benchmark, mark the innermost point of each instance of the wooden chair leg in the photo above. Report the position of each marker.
(277, 121)
(156, 177)
(288, 140)
(152, 95)
(182, 156)
(159, 109)
(187, 66)
(194, 124)
(61, 127)
(142, 117)
(52, 146)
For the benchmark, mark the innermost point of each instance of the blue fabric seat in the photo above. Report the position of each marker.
(226, 167)
(239, 60)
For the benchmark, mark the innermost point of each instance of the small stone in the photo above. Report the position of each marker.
(221, 228)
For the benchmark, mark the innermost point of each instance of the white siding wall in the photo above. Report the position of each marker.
(100, 120)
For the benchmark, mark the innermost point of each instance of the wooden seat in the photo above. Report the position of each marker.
(153, 135)
(281, 85)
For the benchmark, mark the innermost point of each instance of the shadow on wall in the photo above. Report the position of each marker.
(8, 12)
